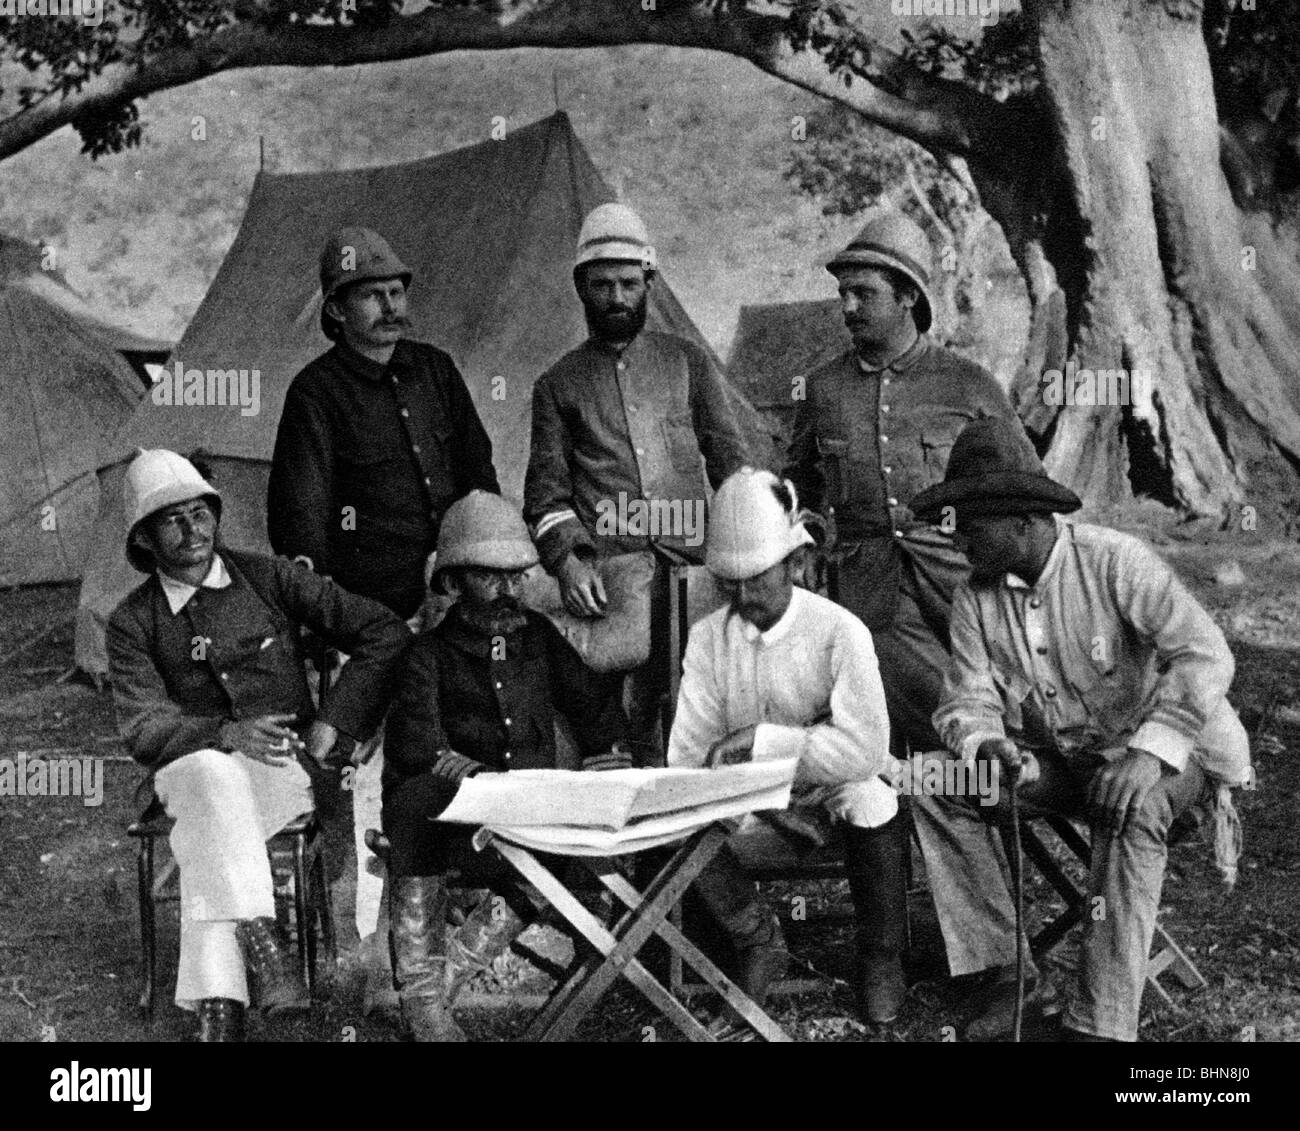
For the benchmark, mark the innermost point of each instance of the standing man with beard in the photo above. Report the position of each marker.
(628, 415)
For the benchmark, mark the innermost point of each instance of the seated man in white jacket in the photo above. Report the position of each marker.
(781, 672)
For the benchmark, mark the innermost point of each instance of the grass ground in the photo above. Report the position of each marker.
(68, 919)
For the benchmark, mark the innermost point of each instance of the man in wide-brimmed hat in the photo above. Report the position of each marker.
(211, 696)
(1077, 654)
(479, 693)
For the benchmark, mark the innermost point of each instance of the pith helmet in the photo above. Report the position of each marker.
(994, 470)
(157, 478)
(889, 239)
(355, 255)
(750, 529)
(615, 232)
(483, 530)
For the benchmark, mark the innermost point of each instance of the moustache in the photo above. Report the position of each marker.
(400, 321)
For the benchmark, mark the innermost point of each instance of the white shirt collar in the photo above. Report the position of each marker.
(178, 593)
(782, 626)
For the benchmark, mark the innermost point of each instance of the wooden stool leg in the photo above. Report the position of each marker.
(148, 930)
(324, 906)
(306, 969)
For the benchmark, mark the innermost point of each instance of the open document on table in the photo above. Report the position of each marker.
(616, 810)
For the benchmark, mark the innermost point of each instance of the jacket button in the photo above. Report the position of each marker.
(428, 483)
(640, 451)
(507, 722)
(225, 675)
(1041, 650)
(893, 502)
(1035, 603)
(498, 685)
(403, 412)
(621, 366)
(884, 439)
(507, 755)
(415, 448)
(886, 470)
(884, 408)
(898, 533)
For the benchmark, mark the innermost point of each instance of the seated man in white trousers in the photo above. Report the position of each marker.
(212, 697)
(781, 672)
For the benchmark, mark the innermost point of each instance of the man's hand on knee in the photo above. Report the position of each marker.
(265, 739)
(1119, 789)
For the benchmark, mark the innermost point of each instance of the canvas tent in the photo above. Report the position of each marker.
(65, 390)
(775, 342)
(489, 232)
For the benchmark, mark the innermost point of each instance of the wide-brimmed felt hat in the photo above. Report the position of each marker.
(992, 470)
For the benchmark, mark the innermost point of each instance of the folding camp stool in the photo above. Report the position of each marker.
(1168, 956)
(616, 949)
(297, 854)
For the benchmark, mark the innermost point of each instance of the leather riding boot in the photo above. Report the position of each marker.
(221, 1019)
(266, 951)
(874, 860)
(751, 926)
(417, 914)
(486, 933)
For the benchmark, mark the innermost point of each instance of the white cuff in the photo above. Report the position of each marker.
(1169, 745)
(772, 742)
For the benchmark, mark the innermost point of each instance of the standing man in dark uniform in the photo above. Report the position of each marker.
(874, 430)
(378, 436)
(377, 439)
(630, 418)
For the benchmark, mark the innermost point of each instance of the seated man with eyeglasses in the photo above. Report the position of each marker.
(478, 693)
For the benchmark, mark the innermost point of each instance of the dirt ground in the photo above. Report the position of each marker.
(69, 949)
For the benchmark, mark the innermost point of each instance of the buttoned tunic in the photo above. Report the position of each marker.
(368, 457)
(647, 423)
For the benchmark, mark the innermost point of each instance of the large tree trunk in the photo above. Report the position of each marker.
(1137, 228)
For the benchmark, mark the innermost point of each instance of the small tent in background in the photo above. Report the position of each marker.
(65, 389)
(777, 342)
(489, 231)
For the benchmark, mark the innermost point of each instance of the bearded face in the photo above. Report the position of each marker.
(614, 297)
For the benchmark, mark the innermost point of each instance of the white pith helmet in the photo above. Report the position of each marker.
(615, 232)
(750, 530)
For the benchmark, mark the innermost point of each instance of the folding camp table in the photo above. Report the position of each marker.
(616, 948)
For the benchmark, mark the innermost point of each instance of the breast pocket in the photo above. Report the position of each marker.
(832, 461)
(934, 457)
(679, 440)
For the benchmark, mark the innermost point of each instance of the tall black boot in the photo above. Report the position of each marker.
(875, 861)
(221, 1019)
(417, 913)
(753, 929)
(265, 949)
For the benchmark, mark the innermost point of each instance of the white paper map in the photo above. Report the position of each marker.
(621, 810)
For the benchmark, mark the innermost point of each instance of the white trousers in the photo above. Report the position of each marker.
(225, 807)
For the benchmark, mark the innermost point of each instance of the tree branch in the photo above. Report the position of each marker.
(944, 117)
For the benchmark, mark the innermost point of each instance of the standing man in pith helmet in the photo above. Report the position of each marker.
(874, 431)
(378, 436)
(630, 415)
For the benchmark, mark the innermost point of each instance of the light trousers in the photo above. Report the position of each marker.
(226, 807)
